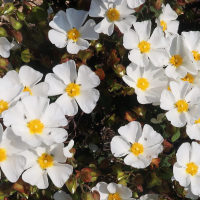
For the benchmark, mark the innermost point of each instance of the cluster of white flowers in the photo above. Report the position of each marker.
(33, 140)
(164, 70)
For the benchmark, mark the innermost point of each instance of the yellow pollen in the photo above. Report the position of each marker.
(176, 60)
(192, 168)
(45, 161)
(188, 78)
(113, 14)
(197, 121)
(142, 83)
(182, 106)
(27, 89)
(137, 149)
(3, 106)
(163, 24)
(114, 196)
(169, 88)
(73, 89)
(144, 46)
(35, 126)
(73, 34)
(3, 156)
(196, 55)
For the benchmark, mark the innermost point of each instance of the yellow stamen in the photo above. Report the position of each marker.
(73, 89)
(163, 24)
(144, 46)
(114, 196)
(113, 14)
(3, 106)
(3, 155)
(188, 78)
(137, 149)
(35, 126)
(192, 168)
(27, 89)
(197, 121)
(73, 34)
(142, 83)
(176, 60)
(182, 106)
(169, 88)
(45, 161)
(196, 55)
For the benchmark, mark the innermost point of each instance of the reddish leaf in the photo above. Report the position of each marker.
(155, 161)
(158, 4)
(113, 59)
(139, 8)
(100, 73)
(167, 146)
(21, 186)
(130, 116)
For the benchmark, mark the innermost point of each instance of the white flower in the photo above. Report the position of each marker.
(61, 195)
(193, 131)
(8, 92)
(167, 20)
(113, 14)
(46, 160)
(139, 145)
(117, 2)
(11, 164)
(68, 30)
(149, 197)
(143, 46)
(135, 3)
(112, 191)
(5, 47)
(35, 121)
(192, 41)
(148, 82)
(181, 103)
(67, 149)
(74, 88)
(189, 194)
(158, 119)
(179, 63)
(28, 77)
(186, 169)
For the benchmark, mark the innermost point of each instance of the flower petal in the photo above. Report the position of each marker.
(87, 100)
(59, 173)
(5, 47)
(90, 82)
(98, 8)
(130, 39)
(80, 44)
(124, 146)
(40, 90)
(36, 176)
(105, 27)
(61, 195)
(13, 166)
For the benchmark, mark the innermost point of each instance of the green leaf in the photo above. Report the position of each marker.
(26, 56)
(39, 13)
(176, 136)
(154, 181)
(15, 24)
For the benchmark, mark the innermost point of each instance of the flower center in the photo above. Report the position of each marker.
(163, 24)
(27, 89)
(3, 156)
(192, 168)
(169, 88)
(73, 89)
(188, 78)
(114, 196)
(113, 14)
(196, 55)
(35, 126)
(137, 149)
(3, 105)
(176, 60)
(142, 83)
(197, 121)
(182, 106)
(73, 34)
(144, 46)
(45, 161)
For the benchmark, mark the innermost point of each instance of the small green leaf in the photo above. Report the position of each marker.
(26, 56)
(176, 136)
